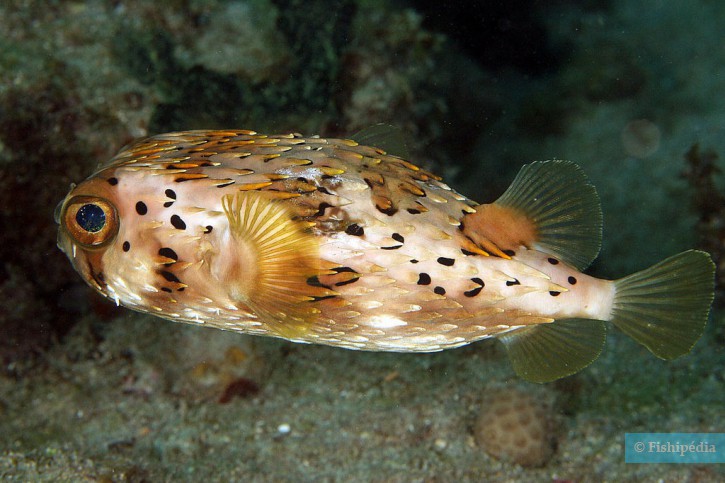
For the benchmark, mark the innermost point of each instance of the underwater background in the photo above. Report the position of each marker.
(631, 91)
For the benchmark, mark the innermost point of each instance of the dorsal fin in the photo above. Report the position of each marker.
(384, 136)
(550, 206)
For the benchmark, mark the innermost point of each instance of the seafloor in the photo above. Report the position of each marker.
(632, 91)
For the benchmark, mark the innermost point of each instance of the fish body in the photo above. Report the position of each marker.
(332, 242)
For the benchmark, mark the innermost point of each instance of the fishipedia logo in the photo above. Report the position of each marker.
(674, 448)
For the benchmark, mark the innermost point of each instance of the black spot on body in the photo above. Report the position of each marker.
(344, 269)
(168, 253)
(168, 203)
(126, 246)
(141, 208)
(223, 185)
(208, 229)
(177, 222)
(554, 293)
(170, 194)
(448, 262)
(467, 253)
(315, 282)
(414, 261)
(477, 290)
(354, 230)
(440, 290)
(170, 277)
(166, 289)
(398, 237)
(393, 247)
(317, 299)
(345, 282)
(424, 279)
(572, 280)
(510, 283)
(510, 253)
(113, 181)
(322, 207)
(388, 211)
(553, 261)
(413, 211)
(324, 190)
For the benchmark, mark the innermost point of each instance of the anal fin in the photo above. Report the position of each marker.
(545, 352)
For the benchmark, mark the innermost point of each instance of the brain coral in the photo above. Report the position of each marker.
(516, 426)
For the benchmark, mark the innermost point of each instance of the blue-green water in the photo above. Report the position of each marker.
(89, 392)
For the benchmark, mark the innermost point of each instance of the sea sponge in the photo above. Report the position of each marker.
(516, 426)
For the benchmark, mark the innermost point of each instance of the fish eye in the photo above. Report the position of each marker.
(92, 222)
(91, 218)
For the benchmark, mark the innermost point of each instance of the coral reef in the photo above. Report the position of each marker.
(516, 426)
(202, 85)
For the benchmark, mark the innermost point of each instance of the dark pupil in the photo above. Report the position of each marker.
(91, 218)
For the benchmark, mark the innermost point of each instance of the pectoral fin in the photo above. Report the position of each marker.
(282, 256)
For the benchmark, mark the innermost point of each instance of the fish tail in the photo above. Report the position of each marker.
(665, 307)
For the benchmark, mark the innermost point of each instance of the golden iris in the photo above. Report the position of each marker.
(92, 222)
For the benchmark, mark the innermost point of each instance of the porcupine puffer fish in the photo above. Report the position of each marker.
(331, 242)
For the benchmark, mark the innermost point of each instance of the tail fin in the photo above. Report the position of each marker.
(665, 307)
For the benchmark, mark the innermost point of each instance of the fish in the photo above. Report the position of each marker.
(335, 242)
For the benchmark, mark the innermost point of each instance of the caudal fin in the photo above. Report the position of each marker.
(666, 306)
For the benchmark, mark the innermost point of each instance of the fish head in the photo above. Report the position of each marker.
(98, 224)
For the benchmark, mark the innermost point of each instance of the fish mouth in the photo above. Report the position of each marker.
(59, 207)
(58, 210)
(56, 216)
